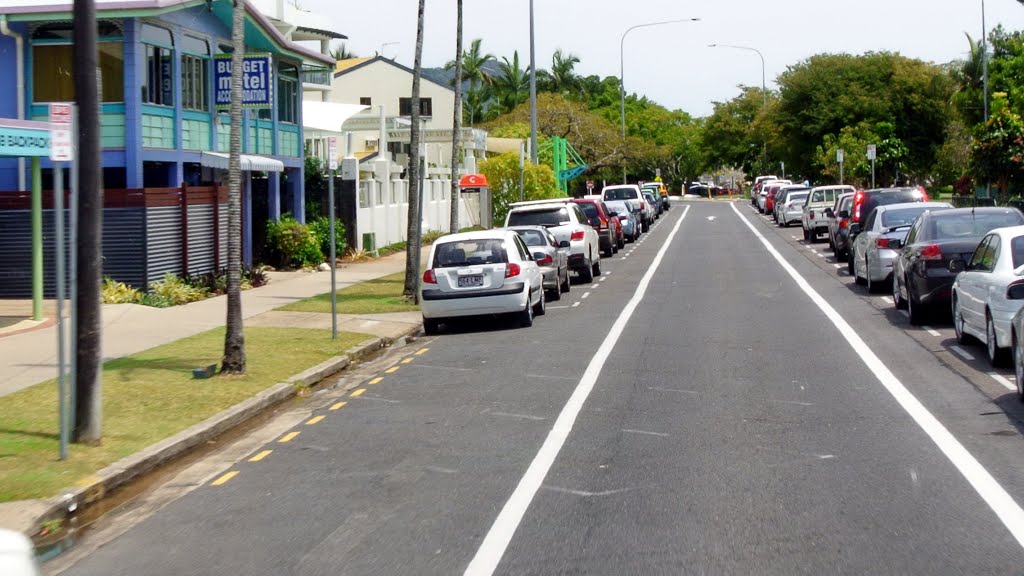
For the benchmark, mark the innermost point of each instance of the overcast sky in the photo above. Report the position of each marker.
(672, 64)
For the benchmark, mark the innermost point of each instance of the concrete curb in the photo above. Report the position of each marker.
(120, 473)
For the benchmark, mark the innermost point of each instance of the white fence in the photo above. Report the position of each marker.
(384, 210)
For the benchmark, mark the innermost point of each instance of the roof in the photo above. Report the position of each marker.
(475, 235)
(352, 64)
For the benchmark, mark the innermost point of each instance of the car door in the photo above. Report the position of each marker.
(899, 266)
(529, 265)
(973, 283)
(562, 253)
(862, 244)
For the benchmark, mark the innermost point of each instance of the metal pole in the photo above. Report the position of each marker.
(73, 276)
(533, 92)
(872, 173)
(37, 241)
(984, 78)
(522, 169)
(840, 171)
(333, 256)
(764, 90)
(58, 222)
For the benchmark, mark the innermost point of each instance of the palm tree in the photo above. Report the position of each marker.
(474, 70)
(512, 83)
(343, 53)
(415, 227)
(453, 220)
(563, 73)
(234, 338)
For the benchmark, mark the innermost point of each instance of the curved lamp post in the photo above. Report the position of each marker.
(764, 87)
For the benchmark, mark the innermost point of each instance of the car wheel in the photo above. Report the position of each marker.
(431, 326)
(831, 244)
(622, 243)
(849, 266)
(587, 272)
(996, 355)
(1018, 367)
(897, 296)
(784, 223)
(526, 316)
(555, 294)
(541, 308)
(566, 286)
(813, 236)
(958, 323)
(856, 274)
(918, 314)
(596, 268)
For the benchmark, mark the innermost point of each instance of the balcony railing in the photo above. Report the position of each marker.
(316, 75)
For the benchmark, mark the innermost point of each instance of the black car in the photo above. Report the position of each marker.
(922, 273)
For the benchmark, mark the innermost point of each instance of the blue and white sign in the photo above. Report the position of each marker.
(24, 141)
(257, 81)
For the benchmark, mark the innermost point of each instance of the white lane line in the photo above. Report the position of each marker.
(592, 286)
(645, 433)
(550, 307)
(585, 295)
(905, 313)
(1001, 503)
(606, 275)
(886, 299)
(575, 304)
(520, 416)
(961, 353)
(1006, 383)
(928, 329)
(603, 278)
(820, 255)
(793, 237)
(840, 265)
(813, 251)
(493, 547)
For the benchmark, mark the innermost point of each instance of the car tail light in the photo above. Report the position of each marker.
(858, 199)
(882, 243)
(604, 223)
(429, 277)
(844, 223)
(931, 252)
(577, 235)
(546, 260)
(924, 193)
(512, 270)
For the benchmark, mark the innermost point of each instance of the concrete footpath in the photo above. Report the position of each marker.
(28, 357)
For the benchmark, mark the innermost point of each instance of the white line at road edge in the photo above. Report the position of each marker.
(962, 353)
(493, 547)
(984, 484)
(1006, 383)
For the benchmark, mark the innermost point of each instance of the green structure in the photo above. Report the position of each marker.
(563, 153)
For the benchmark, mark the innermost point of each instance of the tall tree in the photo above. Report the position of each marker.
(233, 361)
(562, 78)
(474, 70)
(415, 227)
(342, 52)
(453, 221)
(511, 84)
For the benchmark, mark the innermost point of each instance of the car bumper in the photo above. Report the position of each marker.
(551, 279)
(509, 298)
(880, 265)
(792, 216)
(935, 288)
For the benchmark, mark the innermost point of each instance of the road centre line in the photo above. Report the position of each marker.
(1006, 383)
(961, 353)
(406, 360)
(260, 456)
(927, 329)
(391, 370)
(358, 393)
(494, 544)
(377, 380)
(422, 351)
(223, 479)
(1000, 502)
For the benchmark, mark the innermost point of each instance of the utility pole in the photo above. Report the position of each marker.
(533, 92)
(88, 383)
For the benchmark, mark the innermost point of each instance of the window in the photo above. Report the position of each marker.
(405, 107)
(157, 82)
(52, 59)
(524, 253)
(287, 94)
(983, 260)
(195, 74)
(366, 101)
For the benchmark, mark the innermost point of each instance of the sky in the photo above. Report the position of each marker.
(672, 64)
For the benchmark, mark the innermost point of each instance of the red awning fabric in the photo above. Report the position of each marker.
(473, 181)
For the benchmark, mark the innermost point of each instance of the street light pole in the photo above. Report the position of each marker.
(764, 87)
(984, 60)
(622, 69)
(533, 92)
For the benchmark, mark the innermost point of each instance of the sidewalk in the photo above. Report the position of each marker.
(30, 357)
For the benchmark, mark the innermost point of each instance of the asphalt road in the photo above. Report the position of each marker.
(717, 420)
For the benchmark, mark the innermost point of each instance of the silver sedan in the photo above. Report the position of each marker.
(877, 244)
(550, 256)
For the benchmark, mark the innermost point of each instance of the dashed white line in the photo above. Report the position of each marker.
(928, 329)
(645, 433)
(961, 352)
(556, 307)
(1006, 383)
(840, 265)
(592, 286)
(585, 295)
(905, 313)
(886, 299)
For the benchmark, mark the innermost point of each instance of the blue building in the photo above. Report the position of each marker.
(164, 141)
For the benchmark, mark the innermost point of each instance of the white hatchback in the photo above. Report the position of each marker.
(480, 273)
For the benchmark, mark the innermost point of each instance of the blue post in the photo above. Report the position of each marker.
(247, 218)
(274, 195)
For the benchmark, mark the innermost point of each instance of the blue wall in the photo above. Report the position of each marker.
(9, 101)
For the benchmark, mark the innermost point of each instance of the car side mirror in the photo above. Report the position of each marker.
(957, 265)
(1015, 292)
(829, 213)
(844, 214)
(564, 244)
(613, 213)
(854, 228)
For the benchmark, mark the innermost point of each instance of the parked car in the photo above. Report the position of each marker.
(874, 249)
(922, 279)
(792, 205)
(762, 196)
(769, 199)
(864, 201)
(597, 215)
(552, 258)
(1016, 341)
(990, 292)
(654, 204)
(630, 221)
(568, 223)
(759, 184)
(17, 557)
(660, 190)
(480, 273)
(839, 226)
(813, 219)
(631, 194)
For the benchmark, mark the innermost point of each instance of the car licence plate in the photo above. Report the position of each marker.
(470, 281)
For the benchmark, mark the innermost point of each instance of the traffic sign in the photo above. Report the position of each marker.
(332, 153)
(61, 143)
(839, 155)
(590, 184)
(871, 151)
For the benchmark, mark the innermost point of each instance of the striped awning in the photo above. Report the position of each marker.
(250, 163)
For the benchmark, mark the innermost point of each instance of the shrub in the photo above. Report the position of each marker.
(293, 244)
(115, 292)
(432, 236)
(217, 283)
(321, 228)
(173, 291)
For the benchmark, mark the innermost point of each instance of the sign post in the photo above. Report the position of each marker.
(872, 152)
(332, 165)
(60, 152)
(839, 158)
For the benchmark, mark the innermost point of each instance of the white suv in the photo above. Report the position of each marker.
(567, 223)
(630, 193)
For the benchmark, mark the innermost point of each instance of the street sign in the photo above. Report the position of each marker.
(349, 168)
(60, 132)
(871, 151)
(839, 155)
(332, 153)
(590, 184)
(257, 81)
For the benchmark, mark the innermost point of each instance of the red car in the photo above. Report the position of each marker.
(609, 230)
(769, 198)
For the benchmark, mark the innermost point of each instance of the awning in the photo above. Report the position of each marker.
(327, 116)
(250, 162)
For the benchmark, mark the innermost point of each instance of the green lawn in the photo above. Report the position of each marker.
(147, 397)
(371, 297)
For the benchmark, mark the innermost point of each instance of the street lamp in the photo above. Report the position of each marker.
(533, 92)
(764, 87)
(622, 70)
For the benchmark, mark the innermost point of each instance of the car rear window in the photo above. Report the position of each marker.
(619, 207)
(470, 253)
(797, 197)
(533, 237)
(1017, 248)
(902, 216)
(846, 204)
(966, 224)
(590, 210)
(552, 217)
(620, 194)
(886, 198)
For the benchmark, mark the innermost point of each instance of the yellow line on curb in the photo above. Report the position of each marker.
(339, 406)
(422, 351)
(224, 478)
(407, 360)
(314, 420)
(260, 456)
(288, 437)
(391, 370)
(359, 392)
(376, 380)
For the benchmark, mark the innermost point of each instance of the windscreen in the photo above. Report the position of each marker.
(470, 253)
(968, 225)
(902, 216)
(532, 237)
(552, 217)
(620, 194)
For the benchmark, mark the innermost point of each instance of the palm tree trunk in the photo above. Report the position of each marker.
(457, 125)
(412, 273)
(234, 340)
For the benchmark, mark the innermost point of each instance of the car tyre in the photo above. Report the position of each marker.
(897, 296)
(555, 294)
(622, 243)
(541, 307)
(1018, 367)
(596, 269)
(918, 313)
(566, 285)
(958, 323)
(431, 326)
(587, 272)
(849, 266)
(996, 355)
(526, 316)
(856, 276)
